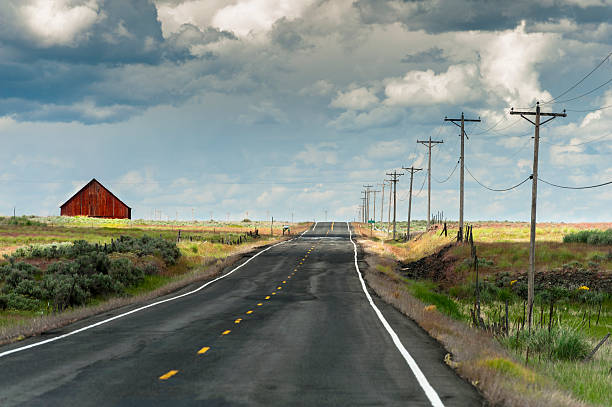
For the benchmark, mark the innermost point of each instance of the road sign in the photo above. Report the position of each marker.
(371, 221)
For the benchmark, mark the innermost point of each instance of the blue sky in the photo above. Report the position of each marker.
(274, 107)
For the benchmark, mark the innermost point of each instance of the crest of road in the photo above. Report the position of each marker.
(291, 325)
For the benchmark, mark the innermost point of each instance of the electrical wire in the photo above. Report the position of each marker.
(590, 110)
(422, 185)
(495, 189)
(579, 82)
(566, 187)
(586, 93)
(579, 144)
(451, 174)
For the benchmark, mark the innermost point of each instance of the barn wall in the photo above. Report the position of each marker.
(95, 201)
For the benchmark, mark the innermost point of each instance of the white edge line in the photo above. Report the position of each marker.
(431, 394)
(33, 345)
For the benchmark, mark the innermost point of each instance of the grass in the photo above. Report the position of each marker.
(503, 250)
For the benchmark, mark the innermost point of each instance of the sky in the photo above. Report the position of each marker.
(256, 108)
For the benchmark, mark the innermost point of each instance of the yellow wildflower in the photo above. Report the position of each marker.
(583, 287)
(513, 281)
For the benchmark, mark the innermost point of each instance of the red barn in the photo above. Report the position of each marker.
(96, 201)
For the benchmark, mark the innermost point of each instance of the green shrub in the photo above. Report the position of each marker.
(593, 237)
(123, 271)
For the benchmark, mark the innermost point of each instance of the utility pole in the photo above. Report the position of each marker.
(428, 143)
(374, 208)
(382, 201)
(367, 187)
(412, 171)
(389, 213)
(363, 206)
(462, 159)
(395, 177)
(534, 197)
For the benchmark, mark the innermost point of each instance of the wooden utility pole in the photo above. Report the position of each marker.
(395, 177)
(389, 213)
(382, 201)
(367, 187)
(363, 207)
(462, 159)
(374, 208)
(412, 171)
(534, 198)
(428, 143)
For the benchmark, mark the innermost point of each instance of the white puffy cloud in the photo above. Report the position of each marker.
(322, 153)
(356, 99)
(423, 88)
(382, 116)
(508, 64)
(242, 17)
(60, 22)
(385, 149)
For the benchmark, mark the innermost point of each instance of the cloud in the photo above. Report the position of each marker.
(319, 88)
(422, 88)
(135, 180)
(386, 149)
(433, 55)
(382, 116)
(263, 113)
(252, 16)
(356, 99)
(23, 161)
(322, 153)
(60, 22)
(508, 65)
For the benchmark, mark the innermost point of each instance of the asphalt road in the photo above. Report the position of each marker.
(293, 326)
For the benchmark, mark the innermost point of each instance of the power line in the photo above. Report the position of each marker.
(566, 187)
(451, 174)
(586, 93)
(590, 110)
(422, 185)
(579, 144)
(495, 189)
(580, 81)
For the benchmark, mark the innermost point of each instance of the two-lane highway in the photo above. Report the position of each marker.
(293, 326)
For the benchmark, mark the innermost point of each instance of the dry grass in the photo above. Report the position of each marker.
(474, 354)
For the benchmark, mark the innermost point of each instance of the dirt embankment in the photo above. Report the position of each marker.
(441, 267)
(438, 267)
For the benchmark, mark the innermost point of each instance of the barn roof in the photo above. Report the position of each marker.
(88, 184)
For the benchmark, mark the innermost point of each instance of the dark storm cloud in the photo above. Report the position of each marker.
(72, 81)
(125, 32)
(460, 15)
(286, 34)
(431, 56)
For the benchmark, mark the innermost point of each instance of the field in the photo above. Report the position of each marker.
(572, 310)
(58, 269)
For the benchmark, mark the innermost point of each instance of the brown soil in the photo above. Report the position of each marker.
(572, 278)
(438, 267)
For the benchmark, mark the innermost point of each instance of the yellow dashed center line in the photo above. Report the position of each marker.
(273, 293)
(279, 288)
(238, 321)
(249, 312)
(284, 281)
(203, 350)
(260, 304)
(226, 332)
(168, 375)
(267, 297)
